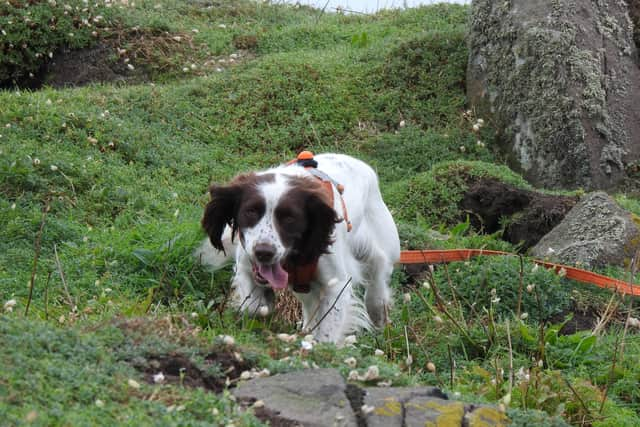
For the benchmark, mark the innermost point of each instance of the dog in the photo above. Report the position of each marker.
(317, 225)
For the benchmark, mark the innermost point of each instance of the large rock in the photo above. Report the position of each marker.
(560, 81)
(595, 233)
(320, 397)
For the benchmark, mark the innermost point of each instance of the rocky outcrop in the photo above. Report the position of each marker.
(320, 397)
(560, 81)
(595, 233)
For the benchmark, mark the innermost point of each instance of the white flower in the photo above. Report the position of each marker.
(263, 311)
(228, 340)
(350, 340)
(402, 123)
(495, 300)
(431, 367)
(409, 360)
(13, 206)
(131, 67)
(53, 168)
(633, 322)
(351, 362)
(463, 148)
(222, 26)
(366, 409)
(61, 319)
(353, 376)
(531, 287)
(506, 399)
(36, 161)
(480, 122)
(185, 69)
(373, 373)
(406, 297)
(523, 316)
(438, 319)
(378, 352)
(194, 315)
(305, 345)
(535, 268)
(158, 378)
(193, 66)
(133, 383)
(8, 306)
(286, 338)
(480, 144)
(426, 285)
(476, 127)
(195, 30)
(99, 403)
(48, 102)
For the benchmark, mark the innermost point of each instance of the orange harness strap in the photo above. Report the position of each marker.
(577, 274)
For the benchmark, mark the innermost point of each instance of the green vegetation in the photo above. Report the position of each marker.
(102, 190)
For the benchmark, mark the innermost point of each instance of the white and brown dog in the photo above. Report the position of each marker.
(292, 228)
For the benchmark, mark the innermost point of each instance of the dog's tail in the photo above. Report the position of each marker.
(212, 258)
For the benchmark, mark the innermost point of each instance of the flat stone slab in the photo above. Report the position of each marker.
(320, 397)
(313, 397)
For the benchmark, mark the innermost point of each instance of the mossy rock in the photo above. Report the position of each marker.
(559, 80)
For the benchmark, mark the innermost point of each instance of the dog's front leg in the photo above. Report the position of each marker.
(326, 310)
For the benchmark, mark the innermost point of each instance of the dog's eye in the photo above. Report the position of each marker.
(287, 219)
(252, 213)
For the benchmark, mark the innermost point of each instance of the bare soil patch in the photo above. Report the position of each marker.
(525, 215)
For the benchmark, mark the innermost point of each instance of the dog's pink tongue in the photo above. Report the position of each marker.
(274, 274)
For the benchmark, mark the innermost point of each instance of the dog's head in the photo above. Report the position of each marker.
(281, 220)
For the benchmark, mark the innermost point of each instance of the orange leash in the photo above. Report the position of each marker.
(450, 255)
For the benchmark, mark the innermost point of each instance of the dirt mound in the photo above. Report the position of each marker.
(220, 367)
(98, 64)
(525, 215)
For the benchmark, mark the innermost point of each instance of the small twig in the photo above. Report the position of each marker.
(37, 248)
(332, 305)
(541, 343)
(409, 357)
(510, 358)
(452, 366)
(520, 288)
(322, 12)
(46, 296)
(575, 393)
(70, 301)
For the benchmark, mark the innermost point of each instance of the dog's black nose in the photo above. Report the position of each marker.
(264, 252)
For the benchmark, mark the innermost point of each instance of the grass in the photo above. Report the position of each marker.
(113, 179)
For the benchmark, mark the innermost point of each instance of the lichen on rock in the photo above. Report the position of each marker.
(558, 80)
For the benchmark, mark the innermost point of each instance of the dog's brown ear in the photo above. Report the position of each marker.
(322, 220)
(221, 211)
